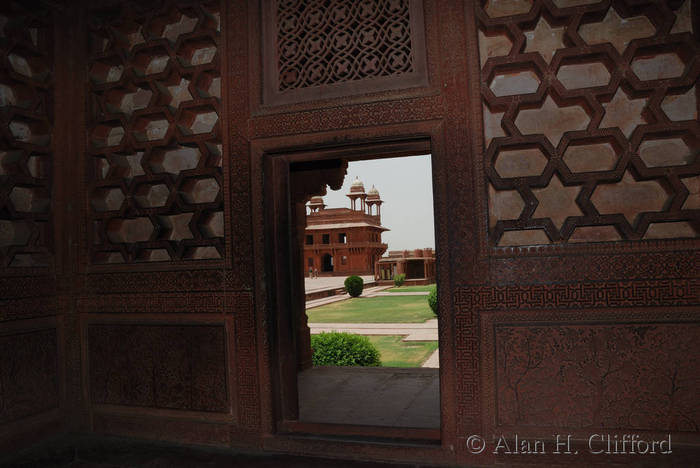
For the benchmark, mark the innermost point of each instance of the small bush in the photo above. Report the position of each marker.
(354, 285)
(343, 349)
(433, 301)
(399, 279)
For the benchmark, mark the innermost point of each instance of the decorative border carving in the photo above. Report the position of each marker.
(164, 281)
(211, 302)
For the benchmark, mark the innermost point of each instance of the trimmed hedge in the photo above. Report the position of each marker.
(433, 300)
(354, 285)
(343, 349)
(399, 279)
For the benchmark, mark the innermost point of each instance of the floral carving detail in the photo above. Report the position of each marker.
(599, 376)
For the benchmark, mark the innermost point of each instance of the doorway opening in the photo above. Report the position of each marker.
(397, 396)
(327, 263)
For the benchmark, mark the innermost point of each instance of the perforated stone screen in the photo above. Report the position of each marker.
(155, 138)
(26, 66)
(325, 48)
(590, 117)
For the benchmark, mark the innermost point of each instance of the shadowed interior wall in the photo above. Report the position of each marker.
(564, 139)
(30, 309)
(166, 291)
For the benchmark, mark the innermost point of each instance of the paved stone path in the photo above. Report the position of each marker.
(369, 292)
(426, 331)
(407, 293)
(329, 282)
(433, 360)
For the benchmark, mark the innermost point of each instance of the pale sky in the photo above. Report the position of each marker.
(405, 185)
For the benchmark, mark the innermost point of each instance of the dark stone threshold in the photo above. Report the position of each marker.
(92, 451)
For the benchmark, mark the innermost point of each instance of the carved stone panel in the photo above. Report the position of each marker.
(638, 376)
(159, 366)
(316, 49)
(28, 374)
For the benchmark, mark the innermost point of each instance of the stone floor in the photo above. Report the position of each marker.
(375, 396)
(90, 451)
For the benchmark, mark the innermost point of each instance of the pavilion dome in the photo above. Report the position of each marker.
(357, 186)
(373, 193)
(317, 200)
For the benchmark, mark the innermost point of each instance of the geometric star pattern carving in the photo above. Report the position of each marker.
(683, 22)
(26, 143)
(179, 93)
(552, 120)
(623, 112)
(545, 39)
(557, 202)
(146, 208)
(617, 30)
(633, 188)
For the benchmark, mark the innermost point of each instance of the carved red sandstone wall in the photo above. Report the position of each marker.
(562, 297)
(30, 368)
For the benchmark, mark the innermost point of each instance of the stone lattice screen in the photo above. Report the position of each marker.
(155, 171)
(590, 114)
(26, 64)
(327, 48)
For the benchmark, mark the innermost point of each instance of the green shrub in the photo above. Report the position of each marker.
(399, 279)
(433, 301)
(343, 349)
(354, 285)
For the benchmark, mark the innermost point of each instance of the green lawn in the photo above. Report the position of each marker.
(397, 353)
(424, 288)
(381, 309)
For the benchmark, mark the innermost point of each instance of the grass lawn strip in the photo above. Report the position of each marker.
(396, 353)
(381, 309)
(424, 288)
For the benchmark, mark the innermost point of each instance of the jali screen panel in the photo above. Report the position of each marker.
(590, 113)
(155, 146)
(317, 49)
(26, 65)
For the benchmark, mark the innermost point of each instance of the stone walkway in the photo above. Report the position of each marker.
(329, 282)
(426, 331)
(369, 292)
(407, 293)
(433, 360)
